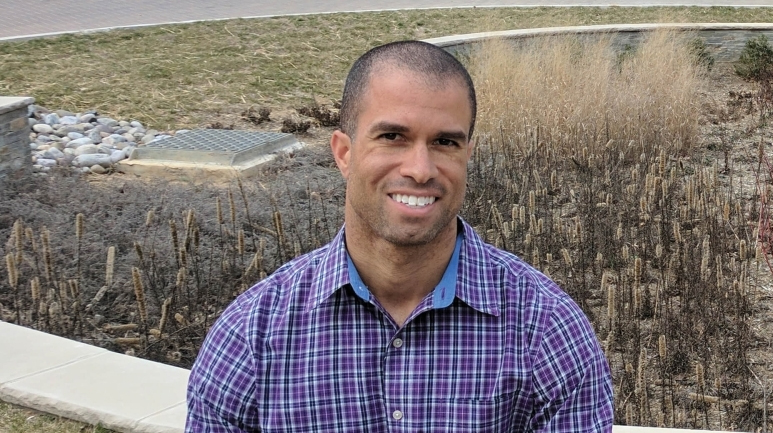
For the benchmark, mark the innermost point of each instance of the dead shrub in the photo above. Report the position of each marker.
(295, 126)
(263, 114)
(321, 113)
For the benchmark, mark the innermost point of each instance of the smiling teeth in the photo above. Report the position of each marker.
(412, 200)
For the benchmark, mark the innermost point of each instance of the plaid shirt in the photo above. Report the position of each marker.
(309, 350)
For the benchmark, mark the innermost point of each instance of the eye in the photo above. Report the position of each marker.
(390, 136)
(446, 142)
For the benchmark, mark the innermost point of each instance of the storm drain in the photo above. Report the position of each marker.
(216, 146)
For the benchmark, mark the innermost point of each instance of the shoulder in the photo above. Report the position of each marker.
(293, 286)
(230, 354)
(283, 280)
(516, 279)
(267, 298)
(561, 312)
(526, 296)
(570, 375)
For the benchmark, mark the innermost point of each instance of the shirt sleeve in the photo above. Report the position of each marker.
(221, 388)
(572, 381)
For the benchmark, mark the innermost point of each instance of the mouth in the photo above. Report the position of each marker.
(413, 201)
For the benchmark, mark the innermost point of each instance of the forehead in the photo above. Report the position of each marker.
(393, 75)
(399, 86)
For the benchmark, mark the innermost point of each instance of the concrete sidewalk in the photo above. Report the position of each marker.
(89, 384)
(26, 18)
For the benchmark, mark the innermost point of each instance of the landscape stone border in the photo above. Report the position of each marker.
(724, 40)
(15, 159)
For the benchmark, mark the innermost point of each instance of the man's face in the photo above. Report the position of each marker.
(406, 165)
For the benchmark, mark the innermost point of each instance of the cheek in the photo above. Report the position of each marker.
(376, 167)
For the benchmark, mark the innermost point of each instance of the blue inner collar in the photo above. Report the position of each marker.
(444, 292)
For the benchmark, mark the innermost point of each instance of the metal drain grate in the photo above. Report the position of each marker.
(215, 146)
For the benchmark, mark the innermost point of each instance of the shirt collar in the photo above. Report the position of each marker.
(465, 276)
(442, 295)
(477, 282)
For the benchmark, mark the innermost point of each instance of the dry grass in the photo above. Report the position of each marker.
(195, 74)
(181, 253)
(14, 419)
(580, 95)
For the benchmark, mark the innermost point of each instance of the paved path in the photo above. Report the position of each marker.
(32, 17)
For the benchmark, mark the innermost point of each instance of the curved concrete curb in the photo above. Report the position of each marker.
(724, 39)
(453, 40)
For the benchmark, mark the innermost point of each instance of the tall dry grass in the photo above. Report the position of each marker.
(580, 94)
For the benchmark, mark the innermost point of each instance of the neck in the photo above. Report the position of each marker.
(400, 276)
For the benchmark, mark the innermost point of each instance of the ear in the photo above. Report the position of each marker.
(341, 145)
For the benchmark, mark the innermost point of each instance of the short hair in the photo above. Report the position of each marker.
(425, 59)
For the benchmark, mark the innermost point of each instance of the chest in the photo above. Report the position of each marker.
(344, 367)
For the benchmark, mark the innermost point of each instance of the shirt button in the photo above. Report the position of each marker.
(397, 415)
(398, 343)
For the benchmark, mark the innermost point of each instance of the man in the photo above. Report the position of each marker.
(406, 321)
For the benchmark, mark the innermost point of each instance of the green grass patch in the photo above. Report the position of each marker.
(187, 75)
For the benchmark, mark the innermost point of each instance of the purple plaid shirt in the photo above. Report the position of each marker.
(309, 350)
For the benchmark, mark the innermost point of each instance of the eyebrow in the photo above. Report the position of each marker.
(453, 135)
(396, 127)
(387, 126)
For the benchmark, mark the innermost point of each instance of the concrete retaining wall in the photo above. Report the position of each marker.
(724, 41)
(15, 159)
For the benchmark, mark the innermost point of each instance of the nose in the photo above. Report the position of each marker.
(419, 164)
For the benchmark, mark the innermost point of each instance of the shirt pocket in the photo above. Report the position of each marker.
(491, 415)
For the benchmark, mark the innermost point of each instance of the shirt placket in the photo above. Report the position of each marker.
(398, 384)
(395, 383)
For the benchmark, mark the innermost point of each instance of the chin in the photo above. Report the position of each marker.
(412, 237)
(407, 241)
